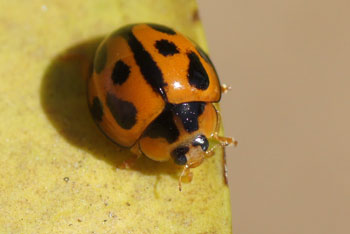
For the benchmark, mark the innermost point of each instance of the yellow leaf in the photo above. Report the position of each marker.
(58, 172)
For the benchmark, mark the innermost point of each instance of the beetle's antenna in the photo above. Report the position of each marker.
(182, 174)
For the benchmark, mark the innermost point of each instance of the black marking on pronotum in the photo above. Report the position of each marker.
(96, 109)
(149, 69)
(162, 29)
(202, 141)
(124, 112)
(179, 155)
(189, 113)
(100, 58)
(197, 76)
(166, 47)
(121, 72)
(163, 127)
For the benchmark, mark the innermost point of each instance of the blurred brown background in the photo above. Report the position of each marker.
(288, 62)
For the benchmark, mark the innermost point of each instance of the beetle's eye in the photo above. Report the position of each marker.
(179, 156)
(202, 141)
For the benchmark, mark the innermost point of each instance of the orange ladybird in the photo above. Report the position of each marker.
(152, 90)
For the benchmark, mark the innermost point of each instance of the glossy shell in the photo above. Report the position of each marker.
(143, 76)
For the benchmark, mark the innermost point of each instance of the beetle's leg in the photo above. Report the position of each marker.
(221, 140)
(225, 88)
(129, 163)
(136, 150)
(186, 176)
(224, 141)
(211, 151)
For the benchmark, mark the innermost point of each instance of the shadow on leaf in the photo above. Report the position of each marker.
(64, 100)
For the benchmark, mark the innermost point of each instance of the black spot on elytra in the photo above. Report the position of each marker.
(124, 112)
(202, 141)
(163, 29)
(166, 47)
(206, 57)
(179, 155)
(100, 58)
(96, 109)
(189, 113)
(120, 73)
(197, 76)
(163, 127)
(149, 69)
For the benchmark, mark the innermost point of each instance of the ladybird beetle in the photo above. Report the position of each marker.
(152, 90)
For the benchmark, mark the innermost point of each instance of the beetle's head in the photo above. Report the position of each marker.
(193, 154)
(190, 155)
